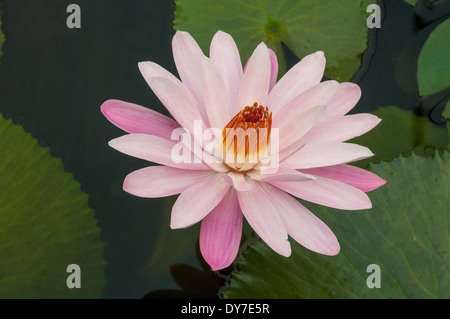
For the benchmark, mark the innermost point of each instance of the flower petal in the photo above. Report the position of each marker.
(198, 201)
(327, 192)
(341, 129)
(151, 70)
(161, 181)
(215, 94)
(238, 181)
(351, 175)
(255, 82)
(294, 128)
(344, 100)
(225, 55)
(282, 174)
(220, 232)
(178, 102)
(264, 219)
(301, 224)
(154, 149)
(326, 154)
(134, 118)
(187, 56)
(319, 94)
(273, 69)
(302, 76)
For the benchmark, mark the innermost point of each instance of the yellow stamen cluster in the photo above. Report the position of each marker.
(246, 137)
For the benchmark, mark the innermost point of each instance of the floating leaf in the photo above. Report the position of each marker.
(401, 131)
(406, 233)
(433, 72)
(45, 224)
(336, 27)
(446, 112)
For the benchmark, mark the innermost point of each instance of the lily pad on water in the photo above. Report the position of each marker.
(336, 27)
(433, 72)
(401, 131)
(45, 224)
(406, 233)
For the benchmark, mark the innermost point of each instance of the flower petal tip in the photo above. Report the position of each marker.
(113, 143)
(106, 107)
(219, 266)
(320, 53)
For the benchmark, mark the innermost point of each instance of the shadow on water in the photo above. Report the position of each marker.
(54, 79)
(194, 283)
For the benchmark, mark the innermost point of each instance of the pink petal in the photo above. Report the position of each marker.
(225, 55)
(215, 95)
(238, 181)
(304, 75)
(344, 100)
(187, 56)
(341, 129)
(302, 225)
(152, 148)
(151, 70)
(198, 201)
(220, 233)
(298, 125)
(255, 82)
(282, 174)
(264, 219)
(161, 181)
(351, 175)
(177, 101)
(207, 153)
(327, 192)
(273, 69)
(134, 118)
(319, 94)
(326, 154)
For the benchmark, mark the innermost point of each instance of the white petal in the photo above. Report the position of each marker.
(187, 56)
(154, 149)
(225, 55)
(161, 181)
(255, 83)
(198, 201)
(216, 98)
(301, 224)
(264, 219)
(326, 154)
(327, 192)
(304, 75)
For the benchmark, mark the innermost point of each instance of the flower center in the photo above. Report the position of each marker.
(246, 137)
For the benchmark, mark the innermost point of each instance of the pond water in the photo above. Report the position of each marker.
(54, 79)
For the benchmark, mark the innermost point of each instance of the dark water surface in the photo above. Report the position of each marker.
(54, 79)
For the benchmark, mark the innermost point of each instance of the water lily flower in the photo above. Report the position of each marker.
(303, 117)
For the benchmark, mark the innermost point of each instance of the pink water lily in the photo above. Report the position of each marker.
(309, 117)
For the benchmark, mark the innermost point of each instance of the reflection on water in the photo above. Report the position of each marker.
(54, 79)
(194, 283)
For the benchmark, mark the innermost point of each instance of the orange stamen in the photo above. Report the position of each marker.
(246, 137)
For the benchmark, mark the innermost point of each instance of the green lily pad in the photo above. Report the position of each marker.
(433, 72)
(446, 112)
(401, 132)
(336, 27)
(406, 233)
(45, 224)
